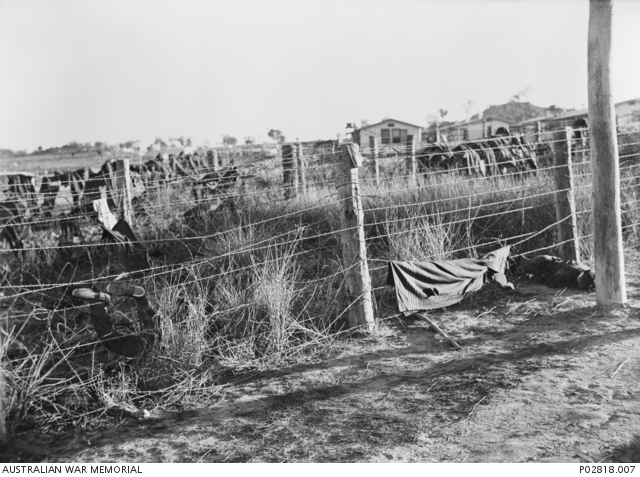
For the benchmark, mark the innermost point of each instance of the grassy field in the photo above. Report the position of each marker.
(256, 287)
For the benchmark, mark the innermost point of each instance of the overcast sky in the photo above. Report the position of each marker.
(93, 70)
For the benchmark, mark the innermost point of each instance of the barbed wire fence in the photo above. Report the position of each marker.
(316, 171)
(325, 164)
(334, 219)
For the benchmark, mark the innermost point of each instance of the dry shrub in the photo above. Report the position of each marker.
(41, 390)
(261, 314)
(447, 215)
(422, 238)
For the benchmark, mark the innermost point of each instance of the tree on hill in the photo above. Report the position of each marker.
(468, 106)
(229, 140)
(520, 95)
(276, 135)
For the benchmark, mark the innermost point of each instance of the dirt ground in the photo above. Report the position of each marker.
(544, 377)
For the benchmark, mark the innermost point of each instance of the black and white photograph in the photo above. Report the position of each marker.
(319, 231)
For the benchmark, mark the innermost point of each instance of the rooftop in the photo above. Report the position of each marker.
(388, 120)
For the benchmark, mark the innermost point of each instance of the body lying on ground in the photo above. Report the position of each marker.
(121, 341)
(556, 273)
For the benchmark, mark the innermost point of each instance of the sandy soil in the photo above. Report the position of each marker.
(544, 377)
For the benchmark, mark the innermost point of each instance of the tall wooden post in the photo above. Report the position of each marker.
(607, 228)
(564, 196)
(302, 169)
(375, 156)
(354, 250)
(295, 174)
(123, 186)
(538, 131)
(288, 171)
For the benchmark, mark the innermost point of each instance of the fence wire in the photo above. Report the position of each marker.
(306, 230)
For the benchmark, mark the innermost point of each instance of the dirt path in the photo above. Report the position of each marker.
(544, 377)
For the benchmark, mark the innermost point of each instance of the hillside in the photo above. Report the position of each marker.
(515, 111)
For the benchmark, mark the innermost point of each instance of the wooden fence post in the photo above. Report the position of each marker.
(288, 171)
(564, 196)
(4, 326)
(375, 156)
(538, 131)
(216, 162)
(411, 159)
(354, 250)
(581, 148)
(295, 178)
(605, 164)
(302, 169)
(123, 186)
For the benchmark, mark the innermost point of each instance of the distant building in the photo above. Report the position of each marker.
(486, 124)
(473, 129)
(494, 117)
(387, 132)
(534, 128)
(626, 112)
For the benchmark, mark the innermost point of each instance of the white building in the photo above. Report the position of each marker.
(387, 132)
(472, 129)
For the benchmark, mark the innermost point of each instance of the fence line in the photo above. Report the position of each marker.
(281, 188)
(243, 194)
(255, 247)
(500, 241)
(293, 213)
(261, 162)
(224, 196)
(470, 179)
(163, 183)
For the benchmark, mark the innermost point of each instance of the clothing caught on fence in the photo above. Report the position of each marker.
(438, 284)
